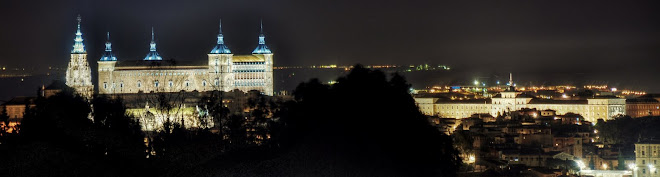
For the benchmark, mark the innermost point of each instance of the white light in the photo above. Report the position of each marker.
(632, 166)
(604, 166)
(476, 82)
(580, 164)
(614, 89)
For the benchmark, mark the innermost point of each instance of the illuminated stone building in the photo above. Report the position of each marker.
(647, 157)
(78, 73)
(15, 109)
(222, 71)
(646, 105)
(509, 100)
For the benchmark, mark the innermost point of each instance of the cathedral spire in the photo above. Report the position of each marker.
(152, 55)
(108, 55)
(261, 47)
(220, 48)
(78, 46)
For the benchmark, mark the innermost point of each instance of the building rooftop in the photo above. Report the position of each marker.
(20, 100)
(550, 101)
(466, 101)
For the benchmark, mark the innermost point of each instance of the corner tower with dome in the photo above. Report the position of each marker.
(221, 71)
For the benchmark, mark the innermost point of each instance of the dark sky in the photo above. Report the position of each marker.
(591, 36)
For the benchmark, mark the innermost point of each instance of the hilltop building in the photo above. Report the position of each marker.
(602, 107)
(222, 71)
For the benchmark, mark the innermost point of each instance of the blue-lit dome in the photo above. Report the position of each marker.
(108, 55)
(261, 47)
(153, 55)
(221, 48)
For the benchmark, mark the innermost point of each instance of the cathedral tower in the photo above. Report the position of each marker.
(78, 73)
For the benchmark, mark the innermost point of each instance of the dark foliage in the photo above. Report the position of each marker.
(370, 124)
(58, 139)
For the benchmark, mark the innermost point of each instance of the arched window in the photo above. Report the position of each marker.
(171, 83)
(156, 83)
(187, 83)
(105, 85)
(217, 82)
(139, 84)
(203, 83)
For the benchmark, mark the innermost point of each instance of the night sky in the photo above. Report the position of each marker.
(618, 37)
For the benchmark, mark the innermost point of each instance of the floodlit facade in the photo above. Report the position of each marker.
(78, 73)
(591, 109)
(222, 71)
(647, 157)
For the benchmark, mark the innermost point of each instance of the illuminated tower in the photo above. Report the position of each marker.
(264, 52)
(152, 55)
(78, 74)
(220, 64)
(106, 65)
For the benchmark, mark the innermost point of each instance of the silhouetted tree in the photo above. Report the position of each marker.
(369, 123)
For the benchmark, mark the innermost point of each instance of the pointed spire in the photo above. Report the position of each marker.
(108, 55)
(108, 45)
(78, 46)
(511, 79)
(261, 22)
(220, 48)
(153, 42)
(261, 47)
(152, 55)
(511, 86)
(220, 29)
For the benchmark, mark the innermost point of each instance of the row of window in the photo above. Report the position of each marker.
(156, 83)
(163, 74)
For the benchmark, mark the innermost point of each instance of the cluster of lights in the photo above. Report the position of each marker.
(630, 92)
(600, 87)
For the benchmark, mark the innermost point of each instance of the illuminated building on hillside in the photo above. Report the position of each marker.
(222, 71)
(78, 74)
(510, 100)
